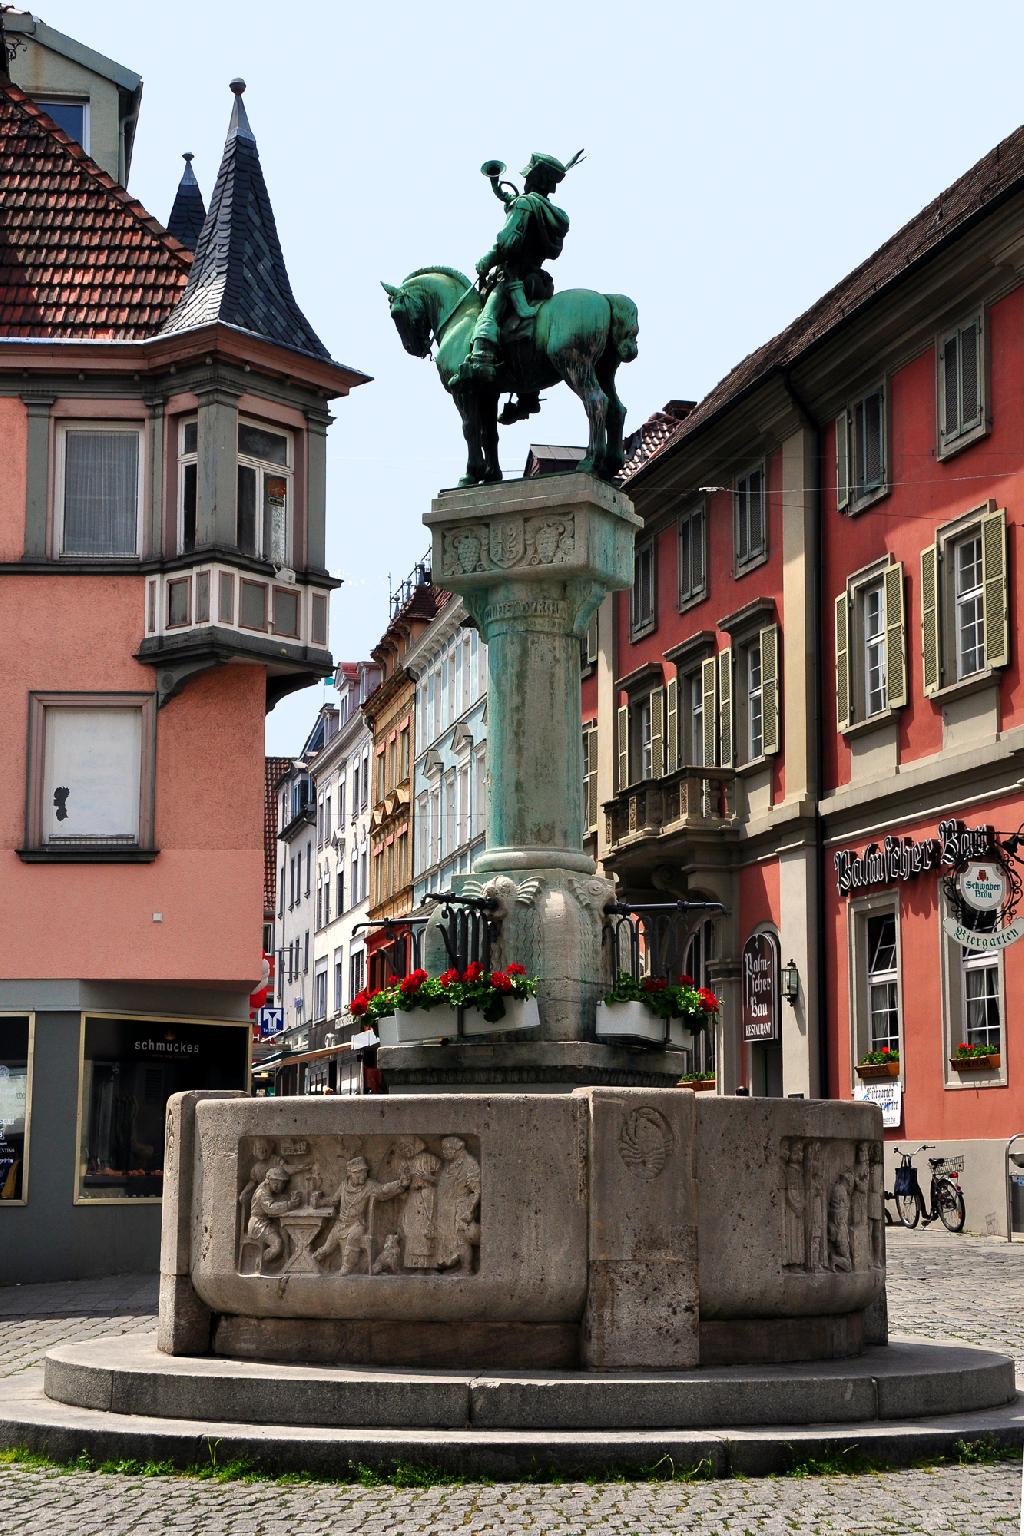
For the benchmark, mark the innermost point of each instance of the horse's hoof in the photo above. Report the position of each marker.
(493, 478)
(466, 482)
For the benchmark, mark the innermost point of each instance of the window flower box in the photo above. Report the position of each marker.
(872, 1069)
(636, 1022)
(520, 1013)
(416, 1025)
(986, 1063)
(699, 1084)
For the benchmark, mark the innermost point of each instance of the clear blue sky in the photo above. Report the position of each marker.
(740, 159)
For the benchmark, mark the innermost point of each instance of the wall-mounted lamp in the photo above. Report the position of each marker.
(790, 982)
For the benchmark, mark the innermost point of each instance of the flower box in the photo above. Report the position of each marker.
(870, 1069)
(699, 1084)
(636, 1022)
(520, 1013)
(987, 1063)
(407, 1028)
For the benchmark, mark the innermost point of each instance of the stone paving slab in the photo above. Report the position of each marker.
(940, 1287)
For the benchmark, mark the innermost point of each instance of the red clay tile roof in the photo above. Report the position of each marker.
(274, 767)
(79, 257)
(645, 442)
(997, 174)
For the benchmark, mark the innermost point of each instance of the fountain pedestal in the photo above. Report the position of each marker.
(532, 561)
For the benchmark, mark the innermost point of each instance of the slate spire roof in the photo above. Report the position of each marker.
(238, 276)
(188, 213)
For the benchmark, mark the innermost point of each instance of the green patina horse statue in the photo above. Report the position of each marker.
(579, 336)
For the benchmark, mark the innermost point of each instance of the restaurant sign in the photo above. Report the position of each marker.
(761, 989)
(900, 858)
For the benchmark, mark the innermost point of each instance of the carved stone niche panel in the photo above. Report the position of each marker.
(359, 1205)
(834, 1214)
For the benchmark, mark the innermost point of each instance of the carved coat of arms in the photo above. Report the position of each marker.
(507, 542)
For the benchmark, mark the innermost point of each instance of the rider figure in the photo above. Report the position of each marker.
(533, 233)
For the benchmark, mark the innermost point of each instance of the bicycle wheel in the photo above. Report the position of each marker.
(909, 1208)
(950, 1201)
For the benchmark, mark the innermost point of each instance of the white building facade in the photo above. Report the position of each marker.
(450, 773)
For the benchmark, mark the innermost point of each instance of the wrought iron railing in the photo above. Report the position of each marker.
(650, 938)
(468, 927)
(408, 932)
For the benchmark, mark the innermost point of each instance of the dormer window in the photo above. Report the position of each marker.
(264, 492)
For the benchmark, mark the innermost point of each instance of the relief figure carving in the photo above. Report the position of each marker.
(264, 1238)
(416, 1224)
(876, 1206)
(817, 1208)
(458, 1200)
(839, 1210)
(795, 1256)
(354, 1200)
(860, 1234)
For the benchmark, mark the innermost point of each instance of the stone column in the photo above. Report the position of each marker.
(532, 561)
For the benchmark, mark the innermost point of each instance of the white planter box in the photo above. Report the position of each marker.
(520, 1013)
(635, 1022)
(418, 1024)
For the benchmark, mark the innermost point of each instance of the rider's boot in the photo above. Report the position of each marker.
(480, 364)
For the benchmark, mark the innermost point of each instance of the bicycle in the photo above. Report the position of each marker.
(947, 1201)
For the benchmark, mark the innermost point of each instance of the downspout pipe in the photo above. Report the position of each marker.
(816, 744)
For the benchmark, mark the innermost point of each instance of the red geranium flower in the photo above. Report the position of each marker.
(654, 984)
(515, 970)
(885, 1050)
(502, 982)
(449, 978)
(413, 982)
(474, 970)
(708, 1000)
(357, 1007)
(686, 981)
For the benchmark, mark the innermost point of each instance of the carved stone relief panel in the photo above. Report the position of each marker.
(645, 1141)
(834, 1216)
(359, 1205)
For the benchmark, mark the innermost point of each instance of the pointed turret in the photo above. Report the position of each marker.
(189, 211)
(238, 275)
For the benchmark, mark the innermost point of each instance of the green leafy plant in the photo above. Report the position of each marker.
(697, 1077)
(965, 1052)
(682, 999)
(879, 1058)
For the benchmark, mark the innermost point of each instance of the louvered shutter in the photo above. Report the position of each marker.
(993, 570)
(895, 637)
(873, 449)
(657, 732)
(709, 709)
(590, 774)
(672, 725)
(757, 518)
(843, 460)
(970, 376)
(950, 392)
(621, 748)
(844, 702)
(697, 562)
(770, 688)
(931, 657)
(725, 706)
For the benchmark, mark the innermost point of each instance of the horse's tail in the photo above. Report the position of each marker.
(625, 325)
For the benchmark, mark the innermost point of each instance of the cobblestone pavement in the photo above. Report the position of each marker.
(939, 1287)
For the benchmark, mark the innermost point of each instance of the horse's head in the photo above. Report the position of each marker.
(411, 315)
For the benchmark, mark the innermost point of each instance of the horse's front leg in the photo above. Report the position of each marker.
(488, 403)
(469, 410)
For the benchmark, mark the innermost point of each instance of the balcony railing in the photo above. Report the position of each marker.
(181, 602)
(690, 798)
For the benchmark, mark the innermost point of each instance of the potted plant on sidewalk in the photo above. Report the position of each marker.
(974, 1058)
(880, 1063)
(650, 1010)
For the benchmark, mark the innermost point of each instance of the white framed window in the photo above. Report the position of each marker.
(188, 484)
(356, 972)
(98, 501)
(968, 604)
(339, 980)
(960, 360)
(883, 991)
(974, 1000)
(750, 520)
(320, 990)
(692, 556)
(353, 891)
(363, 877)
(870, 635)
(264, 492)
(70, 113)
(589, 777)
(479, 812)
(644, 737)
(589, 644)
(642, 611)
(755, 702)
(91, 775)
(695, 719)
(873, 599)
(965, 599)
(861, 450)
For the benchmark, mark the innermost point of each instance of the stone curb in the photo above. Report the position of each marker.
(33, 1422)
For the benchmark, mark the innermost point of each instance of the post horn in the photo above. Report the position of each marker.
(493, 169)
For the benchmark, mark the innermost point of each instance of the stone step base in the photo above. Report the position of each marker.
(129, 1375)
(31, 1420)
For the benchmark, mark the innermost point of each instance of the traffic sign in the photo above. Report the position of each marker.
(271, 1022)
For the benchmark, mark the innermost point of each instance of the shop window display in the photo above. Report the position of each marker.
(130, 1068)
(15, 1078)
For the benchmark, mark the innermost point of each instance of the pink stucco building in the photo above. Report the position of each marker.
(163, 416)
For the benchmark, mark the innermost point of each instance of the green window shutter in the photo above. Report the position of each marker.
(725, 705)
(993, 572)
(931, 656)
(590, 777)
(622, 748)
(844, 701)
(672, 725)
(895, 637)
(770, 687)
(657, 732)
(970, 375)
(709, 710)
(843, 460)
